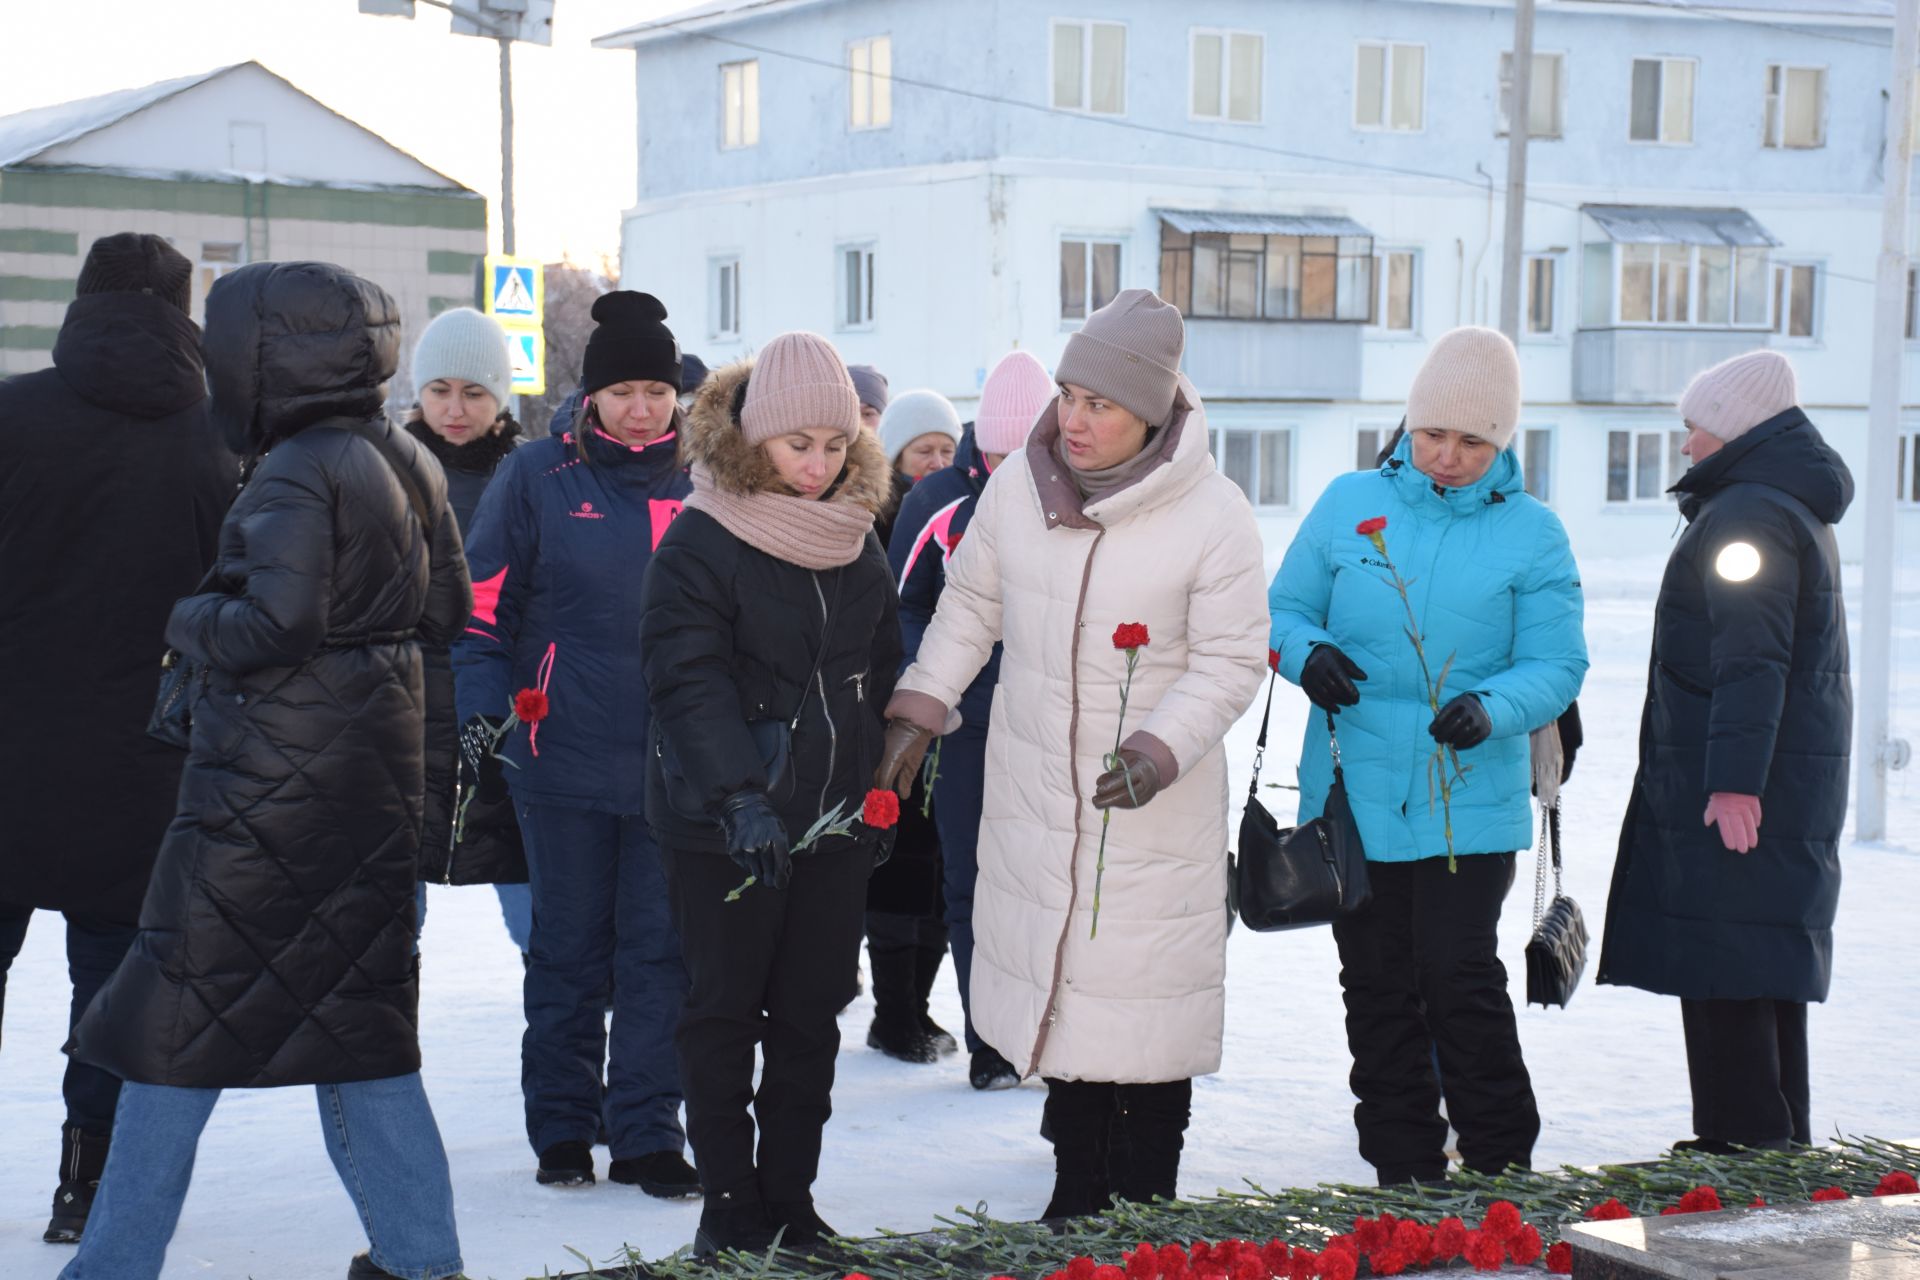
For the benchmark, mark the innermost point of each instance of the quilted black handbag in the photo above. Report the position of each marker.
(1557, 952)
(1288, 878)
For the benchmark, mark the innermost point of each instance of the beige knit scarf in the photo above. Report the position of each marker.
(814, 534)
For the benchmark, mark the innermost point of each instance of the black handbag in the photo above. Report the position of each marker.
(1557, 951)
(1288, 878)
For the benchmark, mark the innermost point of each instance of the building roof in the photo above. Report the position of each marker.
(1261, 224)
(1660, 224)
(697, 18)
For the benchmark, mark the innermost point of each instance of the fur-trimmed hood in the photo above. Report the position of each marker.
(713, 439)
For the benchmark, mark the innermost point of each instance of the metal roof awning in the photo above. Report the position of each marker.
(1261, 224)
(1659, 224)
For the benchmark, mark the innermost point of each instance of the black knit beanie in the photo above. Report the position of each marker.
(132, 262)
(631, 343)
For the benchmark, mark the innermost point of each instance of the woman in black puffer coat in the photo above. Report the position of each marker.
(276, 941)
(769, 609)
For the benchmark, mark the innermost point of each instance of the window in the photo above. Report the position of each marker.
(1367, 444)
(740, 104)
(1542, 271)
(1261, 277)
(1090, 67)
(1259, 461)
(725, 302)
(1536, 461)
(1543, 95)
(1642, 464)
(1796, 107)
(1089, 276)
(1390, 86)
(870, 87)
(1662, 100)
(1397, 272)
(1708, 286)
(1227, 67)
(1907, 476)
(1913, 303)
(216, 260)
(856, 286)
(1795, 301)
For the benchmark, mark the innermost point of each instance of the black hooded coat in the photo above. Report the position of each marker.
(112, 487)
(276, 941)
(1748, 692)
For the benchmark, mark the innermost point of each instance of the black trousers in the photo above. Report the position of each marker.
(1421, 972)
(1747, 1061)
(771, 969)
(1114, 1140)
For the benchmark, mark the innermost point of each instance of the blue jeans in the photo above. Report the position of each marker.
(601, 921)
(959, 793)
(380, 1134)
(516, 908)
(95, 949)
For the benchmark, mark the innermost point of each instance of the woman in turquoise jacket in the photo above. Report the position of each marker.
(1491, 579)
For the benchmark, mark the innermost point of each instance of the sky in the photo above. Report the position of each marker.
(429, 92)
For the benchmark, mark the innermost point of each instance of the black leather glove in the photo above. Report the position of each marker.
(1128, 787)
(1328, 678)
(480, 771)
(1462, 723)
(756, 838)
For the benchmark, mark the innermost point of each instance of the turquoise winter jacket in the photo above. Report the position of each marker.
(1495, 589)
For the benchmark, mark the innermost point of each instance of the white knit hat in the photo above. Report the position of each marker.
(913, 414)
(1470, 382)
(1737, 395)
(464, 344)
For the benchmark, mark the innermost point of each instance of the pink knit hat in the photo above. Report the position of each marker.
(1737, 395)
(1470, 382)
(798, 381)
(1015, 393)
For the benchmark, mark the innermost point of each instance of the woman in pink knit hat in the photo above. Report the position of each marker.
(770, 636)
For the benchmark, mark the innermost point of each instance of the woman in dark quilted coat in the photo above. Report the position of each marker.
(276, 942)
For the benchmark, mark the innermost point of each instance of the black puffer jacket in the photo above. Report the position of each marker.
(1748, 692)
(490, 849)
(112, 487)
(729, 635)
(276, 943)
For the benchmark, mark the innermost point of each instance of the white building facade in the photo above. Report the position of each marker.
(1317, 184)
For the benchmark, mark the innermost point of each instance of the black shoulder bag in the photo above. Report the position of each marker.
(1557, 951)
(1314, 873)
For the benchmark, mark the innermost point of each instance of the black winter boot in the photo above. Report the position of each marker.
(566, 1164)
(801, 1227)
(896, 1029)
(989, 1071)
(83, 1157)
(362, 1267)
(926, 968)
(733, 1220)
(1150, 1127)
(665, 1175)
(1079, 1117)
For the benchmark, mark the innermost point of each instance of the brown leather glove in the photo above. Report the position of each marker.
(901, 756)
(1128, 787)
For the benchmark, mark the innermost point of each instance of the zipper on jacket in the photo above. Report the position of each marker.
(826, 711)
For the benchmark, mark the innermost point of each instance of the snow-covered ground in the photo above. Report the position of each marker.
(909, 1144)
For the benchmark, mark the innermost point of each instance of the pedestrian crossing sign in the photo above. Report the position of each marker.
(513, 290)
(529, 350)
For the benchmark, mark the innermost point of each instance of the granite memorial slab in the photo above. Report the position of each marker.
(1873, 1238)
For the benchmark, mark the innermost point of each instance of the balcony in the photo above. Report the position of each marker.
(1260, 360)
(1649, 366)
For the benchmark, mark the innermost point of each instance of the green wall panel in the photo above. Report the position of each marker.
(65, 189)
(28, 337)
(32, 240)
(451, 262)
(35, 289)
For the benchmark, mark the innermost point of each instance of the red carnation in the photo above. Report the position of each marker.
(1370, 1234)
(1560, 1259)
(1130, 635)
(1247, 1266)
(1502, 1221)
(1172, 1258)
(1609, 1209)
(1305, 1264)
(1830, 1193)
(1486, 1251)
(882, 809)
(1107, 1271)
(1081, 1269)
(1390, 1261)
(1142, 1264)
(1701, 1200)
(1338, 1264)
(1449, 1239)
(1524, 1246)
(1898, 1183)
(530, 706)
(1415, 1240)
(1278, 1256)
(1759, 1202)
(1367, 528)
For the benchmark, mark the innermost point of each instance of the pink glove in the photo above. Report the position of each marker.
(1738, 817)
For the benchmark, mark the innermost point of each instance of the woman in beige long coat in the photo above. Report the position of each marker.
(1113, 514)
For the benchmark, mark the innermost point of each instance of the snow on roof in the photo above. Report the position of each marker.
(25, 134)
(1801, 11)
(699, 17)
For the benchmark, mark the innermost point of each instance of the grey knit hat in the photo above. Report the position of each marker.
(1129, 352)
(870, 385)
(913, 414)
(464, 344)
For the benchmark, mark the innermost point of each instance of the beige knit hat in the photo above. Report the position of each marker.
(798, 381)
(1470, 382)
(1737, 395)
(1129, 351)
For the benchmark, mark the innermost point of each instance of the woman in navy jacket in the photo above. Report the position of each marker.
(558, 550)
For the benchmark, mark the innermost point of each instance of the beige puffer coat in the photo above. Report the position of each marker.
(1179, 551)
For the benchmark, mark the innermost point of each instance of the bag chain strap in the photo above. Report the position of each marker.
(1549, 838)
